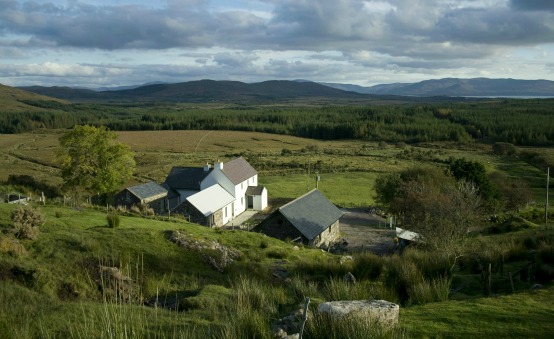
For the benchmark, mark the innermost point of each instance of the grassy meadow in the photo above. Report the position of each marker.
(51, 287)
(347, 168)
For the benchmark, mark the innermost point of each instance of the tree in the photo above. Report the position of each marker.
(433, 204)
(475, 172)
(93, 159)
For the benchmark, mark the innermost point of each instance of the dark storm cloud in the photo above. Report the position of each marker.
(547, 5)
(497, 27)
(109, 27)
(299, 24)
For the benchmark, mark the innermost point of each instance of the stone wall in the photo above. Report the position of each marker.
(328, 236)
(193, 215)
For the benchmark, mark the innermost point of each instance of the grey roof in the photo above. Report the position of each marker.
(188, 178)
(311, 214)
(238, 170)
(255, 190)
(147, 190)
(211, 200)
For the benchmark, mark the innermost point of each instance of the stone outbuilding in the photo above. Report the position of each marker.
(151, 194)
(310, 219)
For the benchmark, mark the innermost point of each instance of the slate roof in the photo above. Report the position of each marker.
(238, 170)
(147, 190)
(188, 178)
(311, 214)
(211, 199)
(255, 190)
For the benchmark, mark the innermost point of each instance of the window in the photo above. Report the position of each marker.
(242, 200)
(225, 212)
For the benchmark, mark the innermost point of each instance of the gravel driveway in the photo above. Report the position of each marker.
(365, 232)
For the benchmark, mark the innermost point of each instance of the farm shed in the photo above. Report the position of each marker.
(311, 218)
(257, 197)
(210, 207)
(406, 237)
(151, 194)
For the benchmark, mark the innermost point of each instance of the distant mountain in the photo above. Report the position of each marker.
(455, 87)
(206, 91)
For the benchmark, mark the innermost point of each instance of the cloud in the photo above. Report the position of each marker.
(534, 5)
(247, 40)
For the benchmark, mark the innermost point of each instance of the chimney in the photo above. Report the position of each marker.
(219, 165)
(206, 167)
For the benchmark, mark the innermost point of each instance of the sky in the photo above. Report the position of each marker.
(108, 43)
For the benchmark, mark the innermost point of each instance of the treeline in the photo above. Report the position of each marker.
(520, 122)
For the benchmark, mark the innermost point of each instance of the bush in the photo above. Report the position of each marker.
(367, 266)
(113, 219)
(26, 222)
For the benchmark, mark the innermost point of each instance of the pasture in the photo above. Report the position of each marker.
(287, 165)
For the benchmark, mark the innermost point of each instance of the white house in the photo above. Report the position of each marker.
(214, 196)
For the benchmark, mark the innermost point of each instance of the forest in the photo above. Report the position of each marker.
(520, 122)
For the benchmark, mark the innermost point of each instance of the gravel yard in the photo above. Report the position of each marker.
(365, 231)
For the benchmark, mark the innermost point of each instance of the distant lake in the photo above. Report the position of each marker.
(509, 96)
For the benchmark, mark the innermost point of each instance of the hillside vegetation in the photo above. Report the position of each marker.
(318, 116)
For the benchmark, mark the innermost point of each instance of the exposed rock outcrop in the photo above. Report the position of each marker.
(379, 311)
(212, 252)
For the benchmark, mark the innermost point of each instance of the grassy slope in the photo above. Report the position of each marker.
(11, 100)
(73, 242)
(522, 315)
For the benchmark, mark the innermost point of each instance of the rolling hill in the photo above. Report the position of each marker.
(206, 91)
(18, 100)
(455, 87)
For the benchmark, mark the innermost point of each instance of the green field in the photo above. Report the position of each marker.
(347, 168)
(49, 287)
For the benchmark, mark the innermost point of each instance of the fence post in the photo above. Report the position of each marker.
(304, 316)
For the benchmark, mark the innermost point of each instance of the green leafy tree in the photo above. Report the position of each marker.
(475, 172)
(433, 204)
(91, 158)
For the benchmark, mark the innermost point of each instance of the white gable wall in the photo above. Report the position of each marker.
(240, 204)
(217, 177)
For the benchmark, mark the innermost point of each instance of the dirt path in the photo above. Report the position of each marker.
(365, 231)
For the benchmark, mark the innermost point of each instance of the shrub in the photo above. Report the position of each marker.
(58, 214)
(113, 219)
(26, 222)
(263, 243)
(11, 246)
(367, 266)
(276, 253)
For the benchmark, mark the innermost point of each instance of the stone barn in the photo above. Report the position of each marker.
(310, 219)
(151, 194)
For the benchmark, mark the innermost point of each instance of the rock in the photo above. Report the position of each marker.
(296, 248)
(289, 324)
(380, 311)
(349, 278)
(535, 287)
(224, 255)
(116, 285)
(345, 259)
